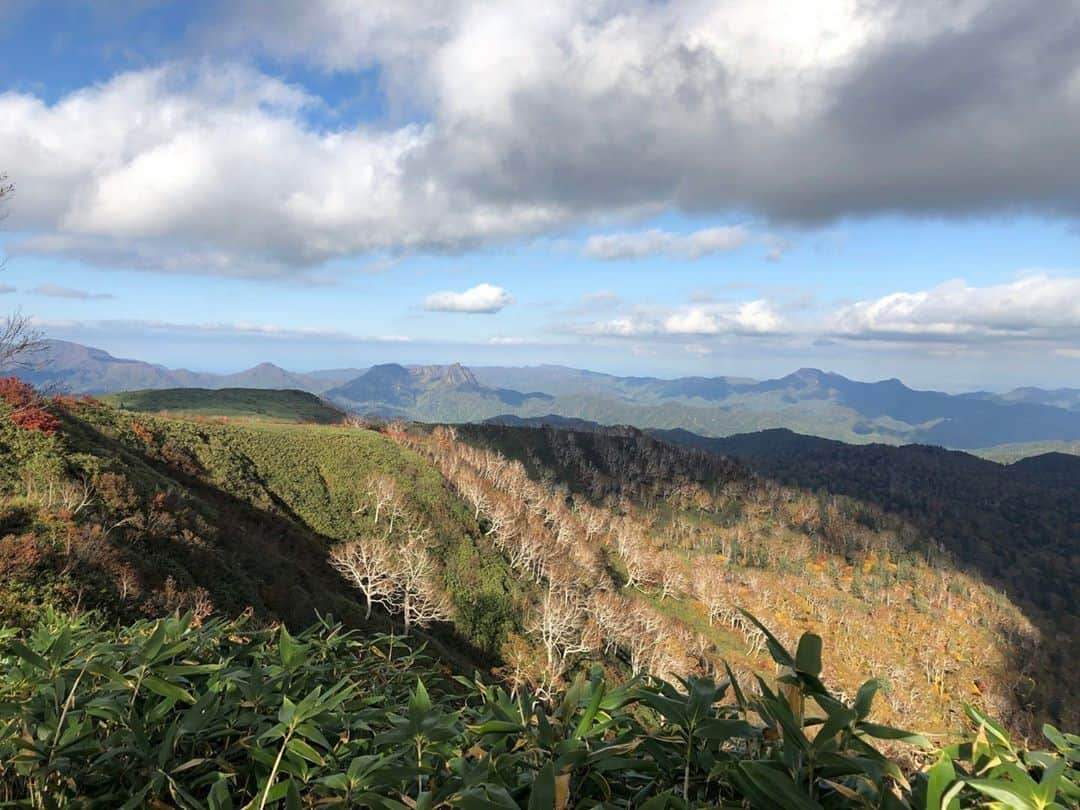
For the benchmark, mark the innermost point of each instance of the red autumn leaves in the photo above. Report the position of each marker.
(26, 406)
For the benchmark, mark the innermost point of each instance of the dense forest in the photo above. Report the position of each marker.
(1009, 525)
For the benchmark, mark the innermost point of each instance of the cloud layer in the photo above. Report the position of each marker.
(1035, 307)
(639, 244)
(56, 291)
(698, 320)
(483, 298)
(516, 118)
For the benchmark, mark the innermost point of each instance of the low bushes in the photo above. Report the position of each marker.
(165, 713)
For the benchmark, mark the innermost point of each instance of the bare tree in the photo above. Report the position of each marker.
(370, 566)
(559, 622)
(643, 642)
(708, 589)
(473, 491)
(18, 339)
(671, 576)
(383, 491)
(422, 601)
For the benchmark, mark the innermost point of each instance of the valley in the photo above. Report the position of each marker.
(532, 554)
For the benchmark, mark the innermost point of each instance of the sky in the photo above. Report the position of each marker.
(881, 188)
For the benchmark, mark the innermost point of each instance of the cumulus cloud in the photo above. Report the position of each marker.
(1033, 309)
(529, 117)
(1034, 306)
(804, 112)
(745, 318)
(56, 291)
(639, 244)
(483, 298)
(215, 169)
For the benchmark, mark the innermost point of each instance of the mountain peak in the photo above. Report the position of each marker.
(455, 375)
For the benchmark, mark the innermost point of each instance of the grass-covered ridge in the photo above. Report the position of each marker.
(136, 514)
(242, 403)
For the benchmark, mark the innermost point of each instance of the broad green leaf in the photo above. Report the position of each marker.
(542, 795)
(219, 797)
(288, 648)
(167, 690)
(808, 655)
(881, 732)
(776, 649)
(497, 727)
(28, 655)
(1010, 794)
(939, 778)
(419, 702)
(864, 698)
(771, 787)
(303, 749)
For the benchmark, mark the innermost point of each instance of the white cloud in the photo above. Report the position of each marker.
(1035, 305)
(955, 316)
(483, 298)
(530, 117)
(697, 320)
(56, 291)
(639, 244)
(214, 169)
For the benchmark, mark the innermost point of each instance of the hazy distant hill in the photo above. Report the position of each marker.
(808, 401)
(1068, 398)
(265, 375)
(1008, 453)
(78, 369)
(74, 368)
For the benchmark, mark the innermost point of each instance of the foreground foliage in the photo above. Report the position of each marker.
(167, 713)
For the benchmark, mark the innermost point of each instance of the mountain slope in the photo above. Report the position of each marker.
(1013, 523)
(77, 369)
(139, 515)
(786, 554)
(613, 550)
(266, 375)
(808, 401)
(283, 405)
(432, 393)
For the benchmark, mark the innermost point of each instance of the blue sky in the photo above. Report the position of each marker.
(628, 187)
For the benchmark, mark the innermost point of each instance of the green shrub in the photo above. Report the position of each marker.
(165, 713)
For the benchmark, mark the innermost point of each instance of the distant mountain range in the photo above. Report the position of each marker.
(808, 401)
(77, 369)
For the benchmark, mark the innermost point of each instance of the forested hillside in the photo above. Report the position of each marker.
(1010, 525)
(532, 555)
